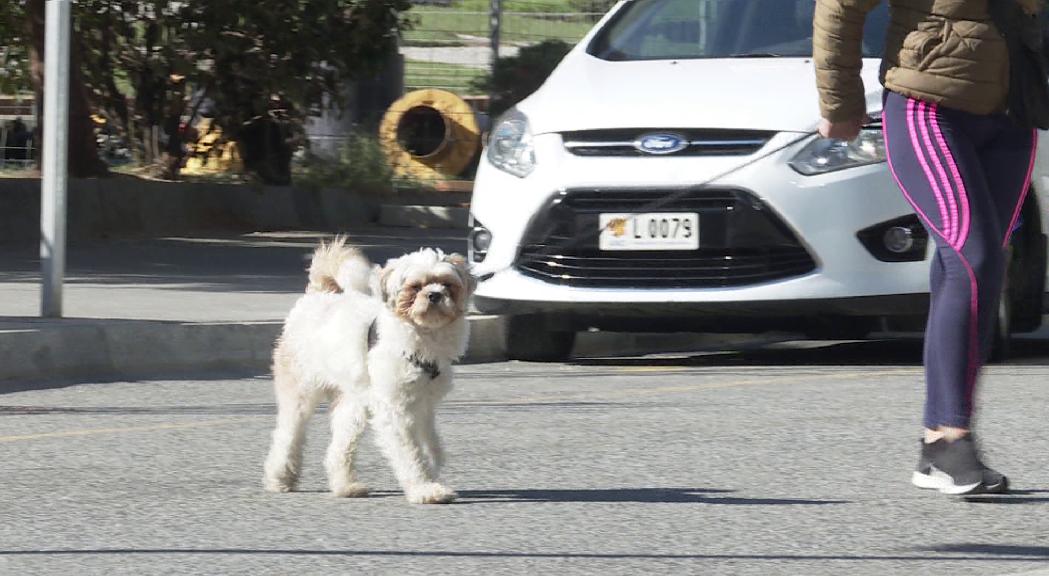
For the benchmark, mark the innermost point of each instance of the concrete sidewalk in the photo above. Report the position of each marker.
(162, 307)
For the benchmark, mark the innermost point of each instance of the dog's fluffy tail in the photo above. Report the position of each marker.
(337, 268)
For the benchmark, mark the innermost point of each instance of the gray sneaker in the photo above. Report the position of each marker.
(955, 468)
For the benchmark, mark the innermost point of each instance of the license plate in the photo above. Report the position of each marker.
(654, 231)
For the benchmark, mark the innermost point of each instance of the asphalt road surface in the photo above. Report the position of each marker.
(787, 459)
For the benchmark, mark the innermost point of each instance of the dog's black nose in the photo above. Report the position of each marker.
(434, 297)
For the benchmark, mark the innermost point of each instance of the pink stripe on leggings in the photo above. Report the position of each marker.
(963, 197)
(959, 187)
(899, 183)
(912, 130)
(927, 114)
(974, 340)
(1023, 191)
(973, 361)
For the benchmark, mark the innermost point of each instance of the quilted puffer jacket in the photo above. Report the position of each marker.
(943, 51)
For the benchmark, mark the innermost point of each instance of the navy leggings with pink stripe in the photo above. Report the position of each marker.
(966, 176)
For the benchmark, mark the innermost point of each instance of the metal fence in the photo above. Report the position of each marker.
(430, 137)
(454, 43)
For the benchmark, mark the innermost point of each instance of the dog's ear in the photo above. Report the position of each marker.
(463, 269)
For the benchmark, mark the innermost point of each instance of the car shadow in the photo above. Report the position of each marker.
(905, 351)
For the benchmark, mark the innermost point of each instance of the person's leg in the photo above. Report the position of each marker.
(938, 170)
(994, 178)
(938, 159)
(1008, 161)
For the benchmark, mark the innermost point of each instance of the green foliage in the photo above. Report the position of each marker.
(257, 62)
(360, 165)
(515, 77)
(14, 48)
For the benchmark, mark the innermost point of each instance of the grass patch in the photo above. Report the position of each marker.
(449, 25)
(451, 77)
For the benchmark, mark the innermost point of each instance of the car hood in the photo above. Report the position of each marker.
(587, 93)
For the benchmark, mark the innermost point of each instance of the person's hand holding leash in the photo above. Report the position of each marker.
(842, 130)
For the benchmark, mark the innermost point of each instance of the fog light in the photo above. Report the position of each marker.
(901, 239)
(898, 239)
(480, 240)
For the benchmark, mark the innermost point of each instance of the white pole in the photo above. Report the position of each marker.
(55, 162)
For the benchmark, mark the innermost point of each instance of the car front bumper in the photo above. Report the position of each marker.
(824, 212)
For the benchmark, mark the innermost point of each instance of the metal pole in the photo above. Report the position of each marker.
(55, 161)
(494, 25)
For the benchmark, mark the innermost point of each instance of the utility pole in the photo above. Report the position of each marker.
(494, 25)
(55, 161)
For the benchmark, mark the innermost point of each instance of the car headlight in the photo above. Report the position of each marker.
(824, 155)
(510, 145)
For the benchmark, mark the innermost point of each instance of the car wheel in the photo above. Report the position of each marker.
(528, 338)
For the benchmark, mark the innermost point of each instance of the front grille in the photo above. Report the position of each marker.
(707, 142)
(741, 242)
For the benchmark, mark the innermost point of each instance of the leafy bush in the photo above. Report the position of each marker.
(513, 78)
(360, 165)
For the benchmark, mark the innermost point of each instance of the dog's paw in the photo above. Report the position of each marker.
(430, 493)
(279, 484)
(351, 490)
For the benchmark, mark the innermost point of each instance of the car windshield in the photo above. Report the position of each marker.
(684, 29)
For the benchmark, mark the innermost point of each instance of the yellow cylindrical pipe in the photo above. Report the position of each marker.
(429, 135)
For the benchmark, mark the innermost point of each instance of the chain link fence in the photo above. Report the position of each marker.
(431, 136)
(453, 43)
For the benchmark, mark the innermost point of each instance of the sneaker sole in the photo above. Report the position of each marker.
(942, 483)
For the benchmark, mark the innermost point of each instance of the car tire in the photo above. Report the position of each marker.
(528, 338)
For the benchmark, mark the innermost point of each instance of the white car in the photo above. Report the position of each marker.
(667, 176)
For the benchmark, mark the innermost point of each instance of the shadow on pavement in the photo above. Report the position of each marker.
(11, 386)
(1013, 497)
(998, 549)
(895, 352)
(637, 495)
(514, 554)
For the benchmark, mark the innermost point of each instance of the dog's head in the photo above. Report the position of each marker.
(427, 287)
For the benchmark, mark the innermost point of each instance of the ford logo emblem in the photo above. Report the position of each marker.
(660, 143)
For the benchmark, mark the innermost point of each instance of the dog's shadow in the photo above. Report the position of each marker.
(630, 495)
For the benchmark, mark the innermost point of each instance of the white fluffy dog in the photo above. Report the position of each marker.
(376, 343)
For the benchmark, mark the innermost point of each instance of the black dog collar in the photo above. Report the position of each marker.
(428, 366)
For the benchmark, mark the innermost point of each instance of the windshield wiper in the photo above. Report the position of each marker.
(756, 55)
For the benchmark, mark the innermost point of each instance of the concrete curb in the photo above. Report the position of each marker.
(424, 216)
(106, 350)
